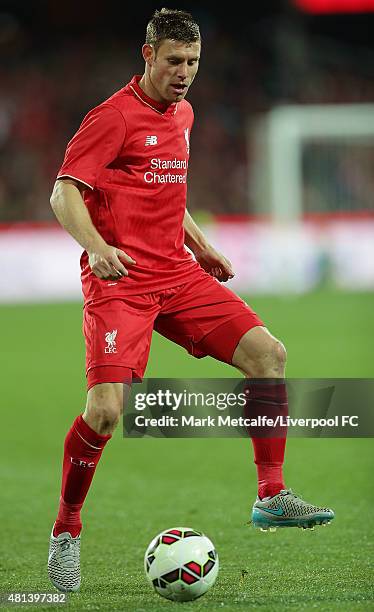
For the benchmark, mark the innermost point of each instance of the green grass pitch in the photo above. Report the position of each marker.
(143, 486)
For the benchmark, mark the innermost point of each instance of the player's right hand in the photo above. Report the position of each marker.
(106, 263)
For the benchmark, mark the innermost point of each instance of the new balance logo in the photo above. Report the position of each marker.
(110, 339)
(150, 140)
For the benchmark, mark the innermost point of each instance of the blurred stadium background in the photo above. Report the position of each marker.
(282, 179)
(281, 172)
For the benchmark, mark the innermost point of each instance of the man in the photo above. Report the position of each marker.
(121, 193)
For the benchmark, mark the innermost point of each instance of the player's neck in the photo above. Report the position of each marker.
(150, 91)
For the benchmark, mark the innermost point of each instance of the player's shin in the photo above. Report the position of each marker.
(82, 451)
(267, 407)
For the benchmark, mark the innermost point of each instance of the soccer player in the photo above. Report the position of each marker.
(121, 193)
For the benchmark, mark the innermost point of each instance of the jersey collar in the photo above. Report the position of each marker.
(159, 107)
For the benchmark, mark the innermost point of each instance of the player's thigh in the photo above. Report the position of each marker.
(206, 318)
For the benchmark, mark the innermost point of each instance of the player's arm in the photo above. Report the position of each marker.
(71, 212)
(206, 255)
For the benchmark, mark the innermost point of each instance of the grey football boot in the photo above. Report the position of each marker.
(288, 510)
(64, 562)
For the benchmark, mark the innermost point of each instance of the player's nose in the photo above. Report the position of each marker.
(182, 72)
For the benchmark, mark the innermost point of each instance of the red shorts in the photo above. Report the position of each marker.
(204, 317)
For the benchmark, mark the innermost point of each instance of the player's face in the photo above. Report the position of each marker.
(173, 68)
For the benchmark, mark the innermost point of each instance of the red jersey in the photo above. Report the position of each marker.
(132, 153)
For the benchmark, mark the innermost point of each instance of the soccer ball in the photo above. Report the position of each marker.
(181, 564)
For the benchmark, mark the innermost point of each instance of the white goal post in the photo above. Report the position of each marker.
(338, 136)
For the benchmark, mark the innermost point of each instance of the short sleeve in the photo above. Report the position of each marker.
(96, 144)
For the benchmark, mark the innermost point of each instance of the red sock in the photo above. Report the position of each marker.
(268, 398)
(82, 451)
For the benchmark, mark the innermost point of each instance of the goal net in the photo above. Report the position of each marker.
(312, 159)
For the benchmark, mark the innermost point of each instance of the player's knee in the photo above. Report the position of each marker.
(103, 419)
(274, 359)
(109, 418)
(279, 354)
(104, 409)
(270, 362)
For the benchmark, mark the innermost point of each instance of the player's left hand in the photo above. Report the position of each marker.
(216, 264)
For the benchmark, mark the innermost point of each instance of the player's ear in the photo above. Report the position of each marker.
(148, 54)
